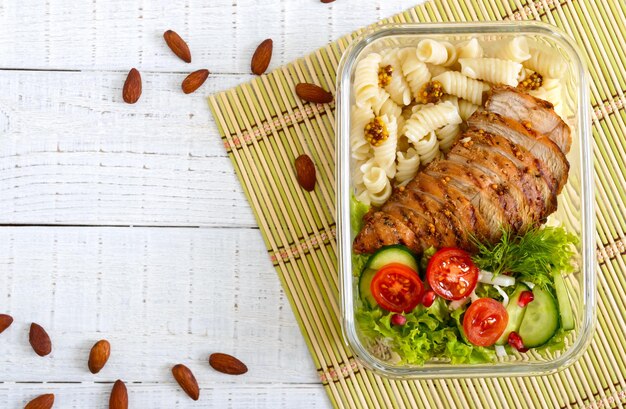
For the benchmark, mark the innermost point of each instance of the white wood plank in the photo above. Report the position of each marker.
(146, 396)
(72, 152)
(161, 296)
(222, 34)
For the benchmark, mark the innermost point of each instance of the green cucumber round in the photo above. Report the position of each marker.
(515, 312)
(541, 320)
(386, 255)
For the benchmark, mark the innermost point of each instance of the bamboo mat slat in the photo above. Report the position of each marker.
(264, 127)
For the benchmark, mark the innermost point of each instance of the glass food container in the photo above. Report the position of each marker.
(575, 203)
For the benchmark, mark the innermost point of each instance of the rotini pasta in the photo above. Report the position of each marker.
(551, 90)
(398, 88)
(359, 117)
(516, 49)
(385, 153)
(428, 148)
(407, 167)
(436, 69)
(384, 105)
(415, 71)
(447, 136)
(366, 80)
(469, 49)
(466, 109)
(434, 52)
(492, 70)
(429, 118)
(548, 63)
(455, 83)
(377, 185)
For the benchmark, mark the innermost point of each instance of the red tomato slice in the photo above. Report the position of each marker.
(452, 274)
(484, 322)
(396, 288)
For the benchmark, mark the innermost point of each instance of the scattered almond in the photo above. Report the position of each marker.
(262, 57)
(132, 87)
(305, 172)
(327, 1)
(39, 340)
(177, 45)
(194, 81)
(41, 402)
(119, 396)
(5, 322)
(313, 93)
(186, 380)
(227, 364)
(99, 356)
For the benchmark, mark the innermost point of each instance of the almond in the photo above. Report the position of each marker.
(262, 57)
(227, 364)
(186, 380)
(119, 396)
(5, 322)
(305, 172)
(132, 87)
(313, 93)
(39, 340)
(194, 81)
(99, 355)
(327, 1)
(177, 45)
(41, 402)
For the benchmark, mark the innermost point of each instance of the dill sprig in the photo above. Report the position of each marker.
(534, 256)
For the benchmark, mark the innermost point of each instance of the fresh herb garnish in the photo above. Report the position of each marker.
(533, 257)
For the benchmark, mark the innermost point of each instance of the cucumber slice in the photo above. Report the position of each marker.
(565, 306)
(384, 256)
(516, 313)
(541, 320)
(392, 254)
(364, 287)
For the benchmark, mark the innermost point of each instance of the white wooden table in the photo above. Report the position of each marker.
(127, 222)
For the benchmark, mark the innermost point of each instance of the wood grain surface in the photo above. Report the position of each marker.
(126, 222)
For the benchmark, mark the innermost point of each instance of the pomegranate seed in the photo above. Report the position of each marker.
(516, 342)
(428, 298)
(524, 298)
(398, 319)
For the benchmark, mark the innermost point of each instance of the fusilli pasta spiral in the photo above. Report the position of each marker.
(516, 49)
(429, 118)
(408, 165)
(455, 83)
(366, 80)
(546, 62)
(385, 153)
(415, 71)
(492, 70)
(398, 88)
(359, 117)
(469, 49)
(447, 136)
(432, 51)
(377, 185)
(427, 148)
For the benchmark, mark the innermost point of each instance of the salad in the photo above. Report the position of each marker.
(448, 304)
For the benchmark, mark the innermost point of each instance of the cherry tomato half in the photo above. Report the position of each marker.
(397, 288)
(484, 322)
(452, 274)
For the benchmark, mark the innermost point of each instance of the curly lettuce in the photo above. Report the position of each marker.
(428, 333)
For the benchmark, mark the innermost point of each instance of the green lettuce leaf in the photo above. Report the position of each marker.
(357, 211)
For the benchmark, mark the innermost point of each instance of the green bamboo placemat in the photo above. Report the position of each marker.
(264, 127)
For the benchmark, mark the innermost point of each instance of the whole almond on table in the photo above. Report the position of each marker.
(327, 1)
(262, 57)
(305, 172)
(194, 81)
(227, 364)
(99, 355)
(119, 396)
(186, 380)
(132, 87)
(41, 402)
(5, 322)
(177, 45)
(313, 93)
(39, 340)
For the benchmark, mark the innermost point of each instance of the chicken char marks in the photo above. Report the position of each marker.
(506, 171)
